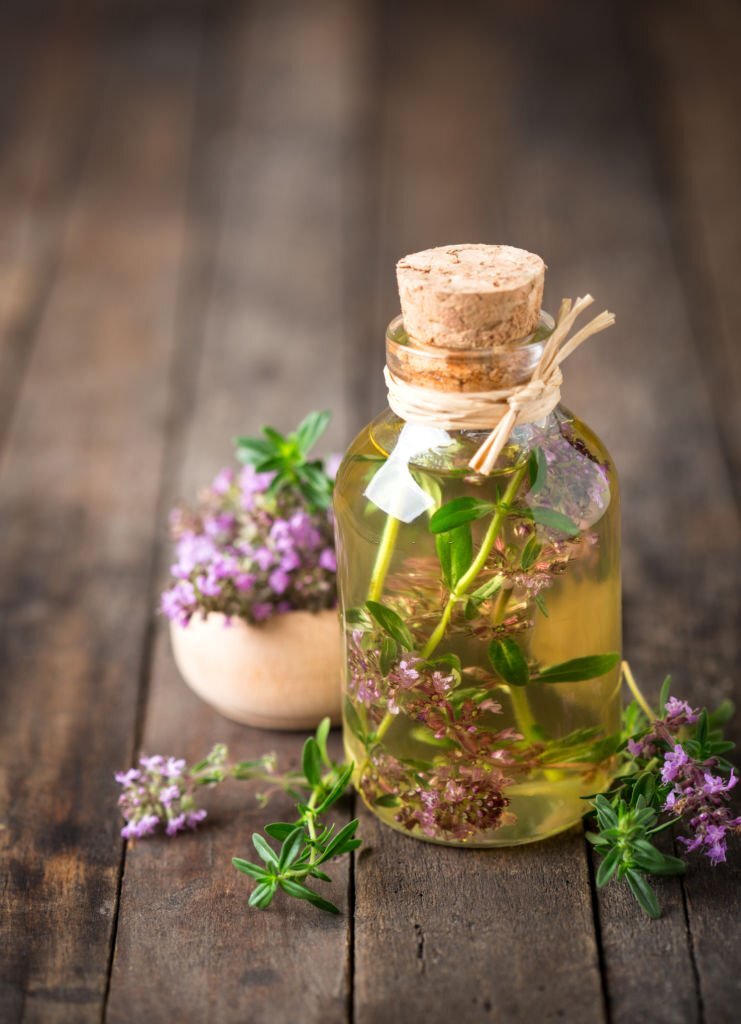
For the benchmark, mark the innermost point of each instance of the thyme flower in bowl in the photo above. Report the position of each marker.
(260, 540)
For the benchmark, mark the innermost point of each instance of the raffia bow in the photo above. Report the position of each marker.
(504, 409)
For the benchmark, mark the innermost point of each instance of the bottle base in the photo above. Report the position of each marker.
(536, 810)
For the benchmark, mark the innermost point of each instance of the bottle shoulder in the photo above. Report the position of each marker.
(576, 476)
(379, 438)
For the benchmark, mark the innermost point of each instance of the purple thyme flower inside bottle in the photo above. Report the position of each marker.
(478, 539)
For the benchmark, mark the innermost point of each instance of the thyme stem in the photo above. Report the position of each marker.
(518, 698)
(635, 690)
(311, 825)
(383, 558)
(523, 713)
(469, 577)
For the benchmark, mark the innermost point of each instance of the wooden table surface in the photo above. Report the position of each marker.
(201, 205)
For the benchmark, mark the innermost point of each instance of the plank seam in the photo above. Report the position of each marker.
(350, 1007)
(601, 958)
(691, 948)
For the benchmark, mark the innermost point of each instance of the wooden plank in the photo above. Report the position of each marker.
(79, 482)
(273, 334)
(686, 56)
(582, 152)
(443, 933)
(48, 82)
(502, 935)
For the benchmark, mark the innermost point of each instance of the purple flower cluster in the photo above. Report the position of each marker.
(677, 714)
(702, 800)
(458, 801)
(422, 690)
(160, 792)
(407, 682)
(249, 554)
(696, 795)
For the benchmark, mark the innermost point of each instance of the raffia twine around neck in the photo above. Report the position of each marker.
(502, 410)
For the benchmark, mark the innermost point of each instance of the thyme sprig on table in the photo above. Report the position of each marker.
(307, 842)
(672, 772)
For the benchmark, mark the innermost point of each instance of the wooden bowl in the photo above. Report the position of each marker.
(281, 674)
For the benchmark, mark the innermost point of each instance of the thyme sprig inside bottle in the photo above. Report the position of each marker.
(481, 612)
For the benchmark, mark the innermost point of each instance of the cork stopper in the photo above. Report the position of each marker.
(470, 296)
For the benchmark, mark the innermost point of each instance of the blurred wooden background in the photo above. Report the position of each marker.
(201, 205)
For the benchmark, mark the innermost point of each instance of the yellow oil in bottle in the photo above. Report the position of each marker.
(456, 782)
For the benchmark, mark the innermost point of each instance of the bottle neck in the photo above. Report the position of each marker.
(467, 370)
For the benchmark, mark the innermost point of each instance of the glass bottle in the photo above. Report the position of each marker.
(481, 661)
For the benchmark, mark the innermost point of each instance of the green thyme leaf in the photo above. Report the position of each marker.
(262, 895)
(701, 734)
(391, 623)
(286, 457)
(509, 661)
(537, 470)
(265, 851)
(455, 553)
(279, 442)
(252, 449)
(291, 848)
(248, 868)
(530, 553)
(340, 842)
(336, 791)
(579, 669)
(608, 867)
(311, 428)
(280, 830)
(643, 892)
(389, 654)
(302, 892)
(312, 762)
(352, 720)
(487, 590)
(605, 811)
(322, 733)
(664, 695)
(458, 512)
(555, 521)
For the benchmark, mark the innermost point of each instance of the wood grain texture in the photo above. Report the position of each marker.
(685, 58)
(79, 481)
(480, 935)
(272, 325)
(49, 81)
